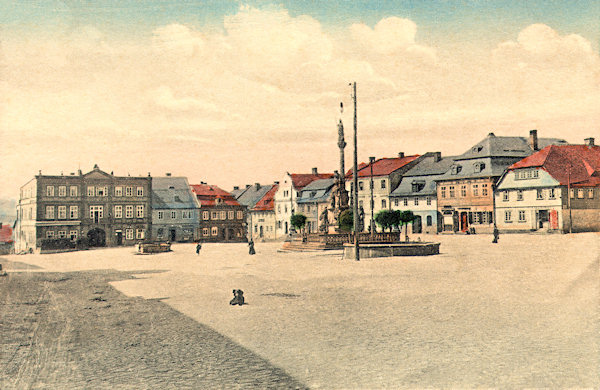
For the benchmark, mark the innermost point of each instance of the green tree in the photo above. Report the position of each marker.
(397, 219)
(298, 221)
(385, 219)
(406, 218)
(346, 221)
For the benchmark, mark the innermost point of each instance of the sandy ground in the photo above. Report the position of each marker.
(523, 313)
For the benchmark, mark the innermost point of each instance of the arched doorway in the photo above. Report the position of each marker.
(96, 237)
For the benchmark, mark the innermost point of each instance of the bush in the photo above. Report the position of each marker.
(346, 221)
(56, 243)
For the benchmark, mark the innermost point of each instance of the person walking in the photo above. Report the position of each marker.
(251, 247)
(198, 247)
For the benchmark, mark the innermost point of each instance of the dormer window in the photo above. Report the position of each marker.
(479, 166)
(477, 149)
(417, 186)
(456, 169)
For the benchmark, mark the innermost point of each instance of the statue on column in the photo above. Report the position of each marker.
(339, 201)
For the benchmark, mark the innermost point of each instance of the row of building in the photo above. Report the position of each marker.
(512, 183)
(519, 184)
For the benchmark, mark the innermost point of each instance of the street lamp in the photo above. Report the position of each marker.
(355, 174)
(372, 226)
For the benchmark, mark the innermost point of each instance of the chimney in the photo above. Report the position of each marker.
(168, 174)
(533, 140)
(277, 182)
(247, 186)
(491, 135)
(314, 171)
(235, 188)
(401, 155)
(437, 156)
(257, 186)
(589, 141)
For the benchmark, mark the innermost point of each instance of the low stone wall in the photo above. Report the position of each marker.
(395, 249)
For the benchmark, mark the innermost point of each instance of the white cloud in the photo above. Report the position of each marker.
(163, 97)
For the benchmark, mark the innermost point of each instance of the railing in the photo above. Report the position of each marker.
(345, 238)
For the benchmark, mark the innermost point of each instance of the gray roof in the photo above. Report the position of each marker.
(237, 192)
(493, 146)
(425, 173)
(172, 193)
(317, 191)
(251, 195)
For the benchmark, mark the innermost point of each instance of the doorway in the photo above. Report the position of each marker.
(417, 225)
(464, 221)
(119, 238)
(172, 234)
(96, 237)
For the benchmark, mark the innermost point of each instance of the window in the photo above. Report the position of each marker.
(521, 215)
(73, 191)
(590, 193)
(463, 191)
(475, 189)
(484, 190)
(129, 191)
(396, 202)
(383, 184)
(139, 234)
(360, 203)
(478, 167)
(285, 208)
(443, 191)
(205, 231)
(73, 235)
(383, 203)
(139, 211)
(214, 215)
(572, 193)
(50, 234)
(476, 217)
(91, 191)
(519, 194)
(74, 212)
(62, 212)
(173, 214)
(119, 191)
(507, 217)
(416, 200)
(429, 220)
(49, 212)
(49, 190)
(451, 190)
(119, 212)
(214, 230)
(161, 215)
(186, 214)
(140, 191)
(62, 234)
(551, 194)
(429, 201)
(129, 212)
(505, 196)
(240, 214)
(62, 191)
(223, 215)
(96, 209)
(230, 214)
(101, 191)
(360, 186)
(205, 215)
(129, 234)
(455, 170)
(405, 201)
(539, 194)
(417, 186)
(160, 232)
(534, 174)
(279, 208)
(580, 193)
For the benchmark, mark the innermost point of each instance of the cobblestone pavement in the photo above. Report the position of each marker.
(522, 313)
(74, 331)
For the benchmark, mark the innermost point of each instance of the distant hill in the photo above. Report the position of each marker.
(8, 211)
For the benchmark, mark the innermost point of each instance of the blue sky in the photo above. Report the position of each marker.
(439, 21)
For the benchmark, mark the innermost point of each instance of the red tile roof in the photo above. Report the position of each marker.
(208, 194)
(301, 180)
(267, 202)
(382, 166)
(577, 164)
(6, 234)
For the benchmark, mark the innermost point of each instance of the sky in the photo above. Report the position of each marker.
(233, 93)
